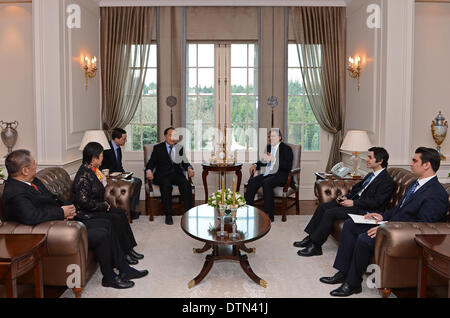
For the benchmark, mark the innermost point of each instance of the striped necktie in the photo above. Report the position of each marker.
(35, 188)
(410, 193)
(364, 185)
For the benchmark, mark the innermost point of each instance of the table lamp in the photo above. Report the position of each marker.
(356, 141)
(95, 136)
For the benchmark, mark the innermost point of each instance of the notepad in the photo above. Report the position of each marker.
(359, 219)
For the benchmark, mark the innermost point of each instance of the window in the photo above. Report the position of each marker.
(235, 90)
(143, 128)
(244, 96)
(303, 128)
(200, 79)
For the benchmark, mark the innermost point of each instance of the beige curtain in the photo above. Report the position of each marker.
(320, 34)
(126, 35)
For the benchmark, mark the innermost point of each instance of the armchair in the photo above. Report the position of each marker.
(286, 192)
(152, 191)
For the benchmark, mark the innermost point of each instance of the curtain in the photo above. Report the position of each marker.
(320, 34)
(126, 35)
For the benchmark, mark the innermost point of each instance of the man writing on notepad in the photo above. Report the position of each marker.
(370, 194)
(424, 201)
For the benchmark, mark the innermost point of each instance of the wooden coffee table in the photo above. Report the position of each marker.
(20, 253)
(435, 256)
(201, 224)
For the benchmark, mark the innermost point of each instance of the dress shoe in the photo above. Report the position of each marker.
(136, 255)
(303, 243)
(311, 250)
(338, 278)
(169, 220)
(130, 260)
(118, 283)
(346, 290)
(135, 215)
(135, 274)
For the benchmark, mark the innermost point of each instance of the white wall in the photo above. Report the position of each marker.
(16, 75)
(64, 109)
(431, 72)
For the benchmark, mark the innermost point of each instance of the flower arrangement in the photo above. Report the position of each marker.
(2, 176)
(216, 198)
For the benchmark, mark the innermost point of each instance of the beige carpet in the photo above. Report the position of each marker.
(169, 258)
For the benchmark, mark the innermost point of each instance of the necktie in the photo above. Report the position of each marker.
(171, 153)
(410, 193)
(35, 188)
(364, 185)
(269, 164)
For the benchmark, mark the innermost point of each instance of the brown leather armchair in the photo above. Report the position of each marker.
(396, 252)
(67, 242)
(286, 192)
(152, 192)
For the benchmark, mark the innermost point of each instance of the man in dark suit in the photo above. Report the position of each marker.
(370, 194)
(425, 201)
(277, 162)
(28, 202)
(169, 161)
(112, 160)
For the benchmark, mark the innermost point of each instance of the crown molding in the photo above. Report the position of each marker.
(233, 3)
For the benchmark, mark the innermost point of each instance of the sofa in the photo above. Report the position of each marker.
(396, 252)
(67, 241)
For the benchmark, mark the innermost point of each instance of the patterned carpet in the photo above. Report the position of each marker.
(169, 258)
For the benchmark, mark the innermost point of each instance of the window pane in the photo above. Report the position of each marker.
(150, 86)
(252, 110)
(295, 109)
(192, 81)
(238, 55)
(137, 116)
(133, 139)
(239, 139)
(238, 81)
(295, 84)
(150, 135)
(149, 110)
(136, 137)
(191, 113)
(312, 135)
(153, 60)
(206, 55)
(192, 55)
(295, 134)
(206, 109)
(293, 56)
(238, 109)
(206, 81)
(252, 61)
(309, 115)
(208, 137)
(251, 82)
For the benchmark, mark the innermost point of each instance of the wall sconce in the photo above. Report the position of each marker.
(90, 68)
(354, 68)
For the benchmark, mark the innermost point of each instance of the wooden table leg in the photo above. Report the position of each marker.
(209, 262)
(11, 286)
(239, 176)
(205, 184)
(247, 250)
(207, 247)
(38, 282)
(422, 281)
(243, 259)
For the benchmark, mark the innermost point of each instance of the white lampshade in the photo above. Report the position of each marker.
(95, 136)
(356, 141)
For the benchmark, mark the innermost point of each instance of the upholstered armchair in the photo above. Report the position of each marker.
(286, 193)
(152, 191)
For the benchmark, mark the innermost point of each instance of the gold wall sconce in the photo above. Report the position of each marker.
(354, 68)
(90, 68)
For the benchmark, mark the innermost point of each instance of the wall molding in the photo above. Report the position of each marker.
(212, 3)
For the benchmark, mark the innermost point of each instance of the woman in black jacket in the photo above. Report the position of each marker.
(88, 196)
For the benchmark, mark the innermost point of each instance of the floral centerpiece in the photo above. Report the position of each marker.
(216, 199)
(2, 176)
